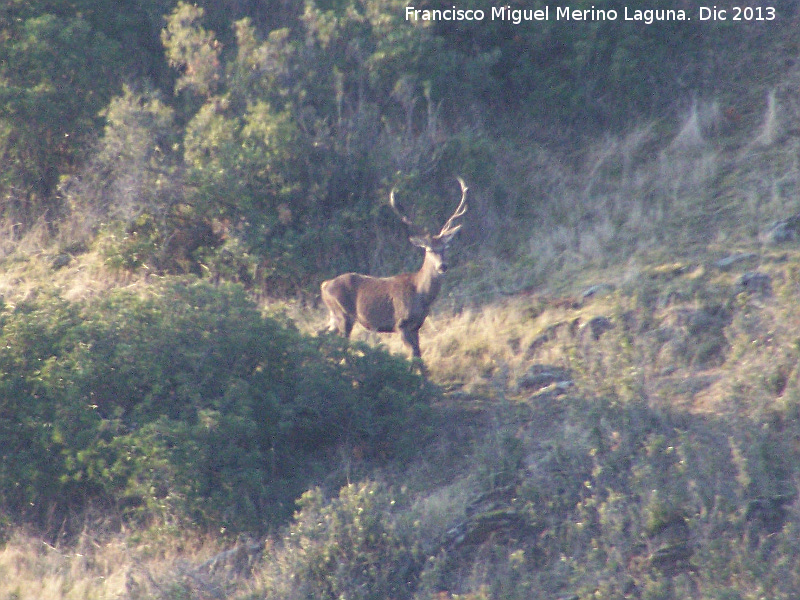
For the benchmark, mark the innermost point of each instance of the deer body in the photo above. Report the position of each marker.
(393, 304)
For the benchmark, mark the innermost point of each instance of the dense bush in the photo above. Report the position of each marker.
(354, 546)
(187, 405)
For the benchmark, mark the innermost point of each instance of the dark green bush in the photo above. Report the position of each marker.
(354, 546)
(186, 405)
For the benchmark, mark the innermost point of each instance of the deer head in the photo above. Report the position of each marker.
(434, 245)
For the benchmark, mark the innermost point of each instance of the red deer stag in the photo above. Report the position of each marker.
(399, 303)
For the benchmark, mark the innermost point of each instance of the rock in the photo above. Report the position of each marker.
(783, 231)
(755, 282)
(668, 271)
(541, 376)
(599, 325)
(600, 289)
(62, 260)
(734, 259)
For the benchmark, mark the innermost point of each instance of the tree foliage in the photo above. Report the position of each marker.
(49, 102)
(289, 144)
(285, 126)
(60, 65)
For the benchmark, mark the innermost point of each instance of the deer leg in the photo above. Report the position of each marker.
(411, 340)
(348, 326)
(339, 319)
(340, 322)
(333, 322)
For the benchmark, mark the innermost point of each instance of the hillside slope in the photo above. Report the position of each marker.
(626, 428)
(638, 438)
(612, 400)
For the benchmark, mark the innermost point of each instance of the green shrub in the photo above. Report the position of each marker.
(354, 546)
(187, 405)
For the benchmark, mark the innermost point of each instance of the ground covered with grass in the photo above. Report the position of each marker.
(637, 438)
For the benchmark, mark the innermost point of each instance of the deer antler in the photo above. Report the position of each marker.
(448, 228)
(393, 204)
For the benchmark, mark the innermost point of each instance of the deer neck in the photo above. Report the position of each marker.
(428, 280)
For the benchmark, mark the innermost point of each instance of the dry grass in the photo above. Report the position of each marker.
(648, 212)
(683, 334)
(39, 261)
(32, 569)
(126, 565)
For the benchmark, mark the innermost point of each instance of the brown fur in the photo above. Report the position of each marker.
(393, 304)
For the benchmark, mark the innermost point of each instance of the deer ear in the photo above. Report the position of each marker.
(420, 242)
(447, 238)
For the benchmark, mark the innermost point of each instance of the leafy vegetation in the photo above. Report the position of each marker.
(186, 406)
(262, 144)
(610, 405)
